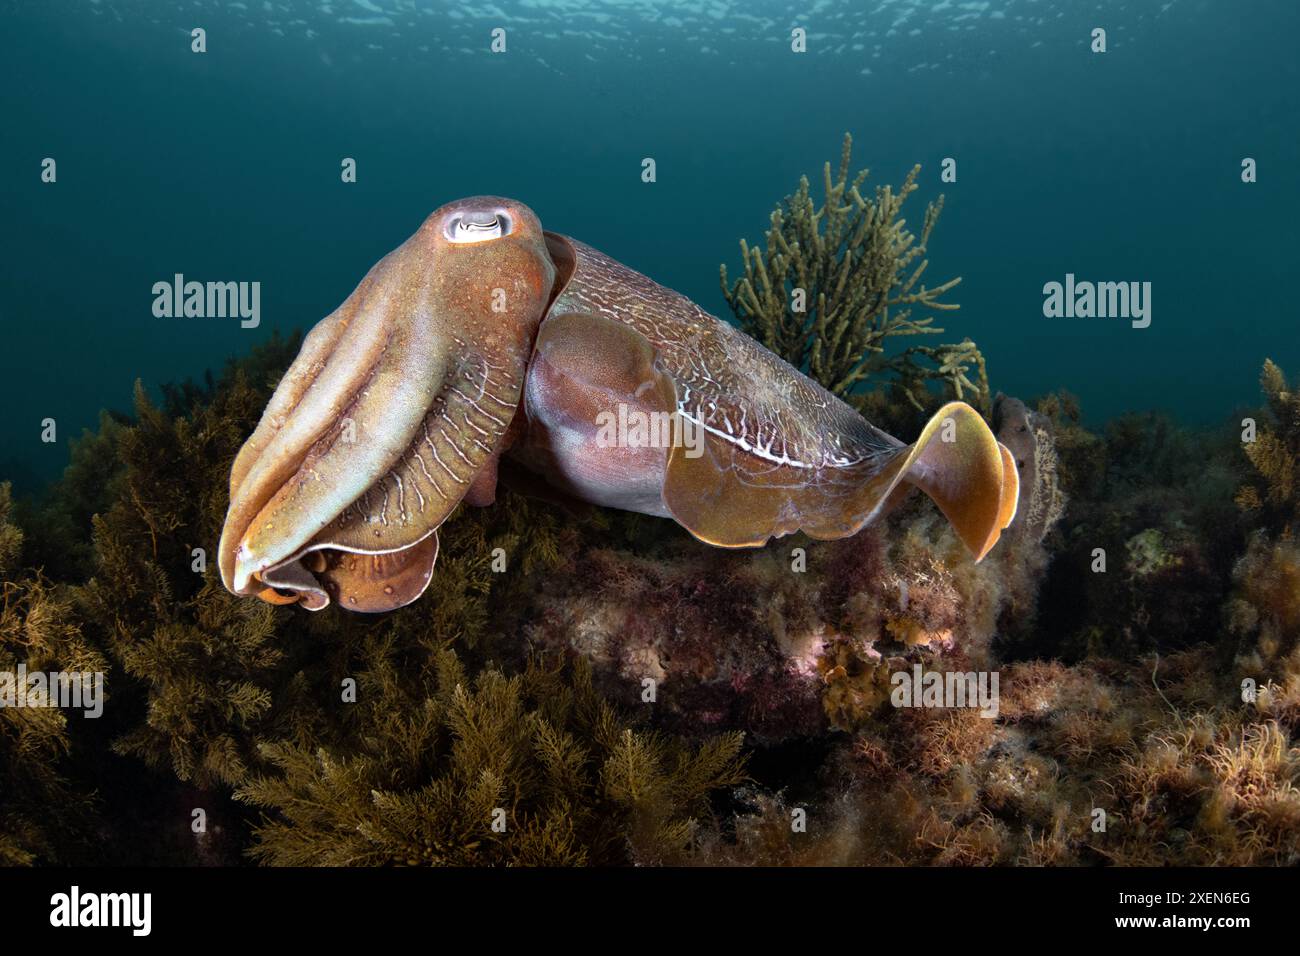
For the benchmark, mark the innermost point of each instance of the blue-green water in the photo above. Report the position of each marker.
(225, 165)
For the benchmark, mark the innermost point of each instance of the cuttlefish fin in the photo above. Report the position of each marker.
(968, 474)
(729, 494)
(1010, 488)
(712, 491)
(723, 497)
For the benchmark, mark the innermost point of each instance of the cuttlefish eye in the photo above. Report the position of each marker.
(477, 226)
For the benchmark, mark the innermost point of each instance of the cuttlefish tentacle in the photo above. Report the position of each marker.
(403, 401)
(384, 423)
(288, 427)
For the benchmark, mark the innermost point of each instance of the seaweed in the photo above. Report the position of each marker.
(838, 280)
(534, 770)
(1087, 765)
(1274, 492)
(45, 815)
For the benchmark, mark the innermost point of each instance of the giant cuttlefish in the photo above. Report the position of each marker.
(482, 336)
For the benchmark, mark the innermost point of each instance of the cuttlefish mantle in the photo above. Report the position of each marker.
(484, 335)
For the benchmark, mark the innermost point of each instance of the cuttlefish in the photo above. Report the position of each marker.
(483, 335)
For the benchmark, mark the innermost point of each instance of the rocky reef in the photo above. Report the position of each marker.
(621, 694)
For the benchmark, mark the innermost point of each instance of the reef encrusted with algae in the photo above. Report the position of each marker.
(784, 642)
(525, 691)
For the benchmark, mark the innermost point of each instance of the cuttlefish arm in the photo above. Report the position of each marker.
(755, 449)
(396, 410)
